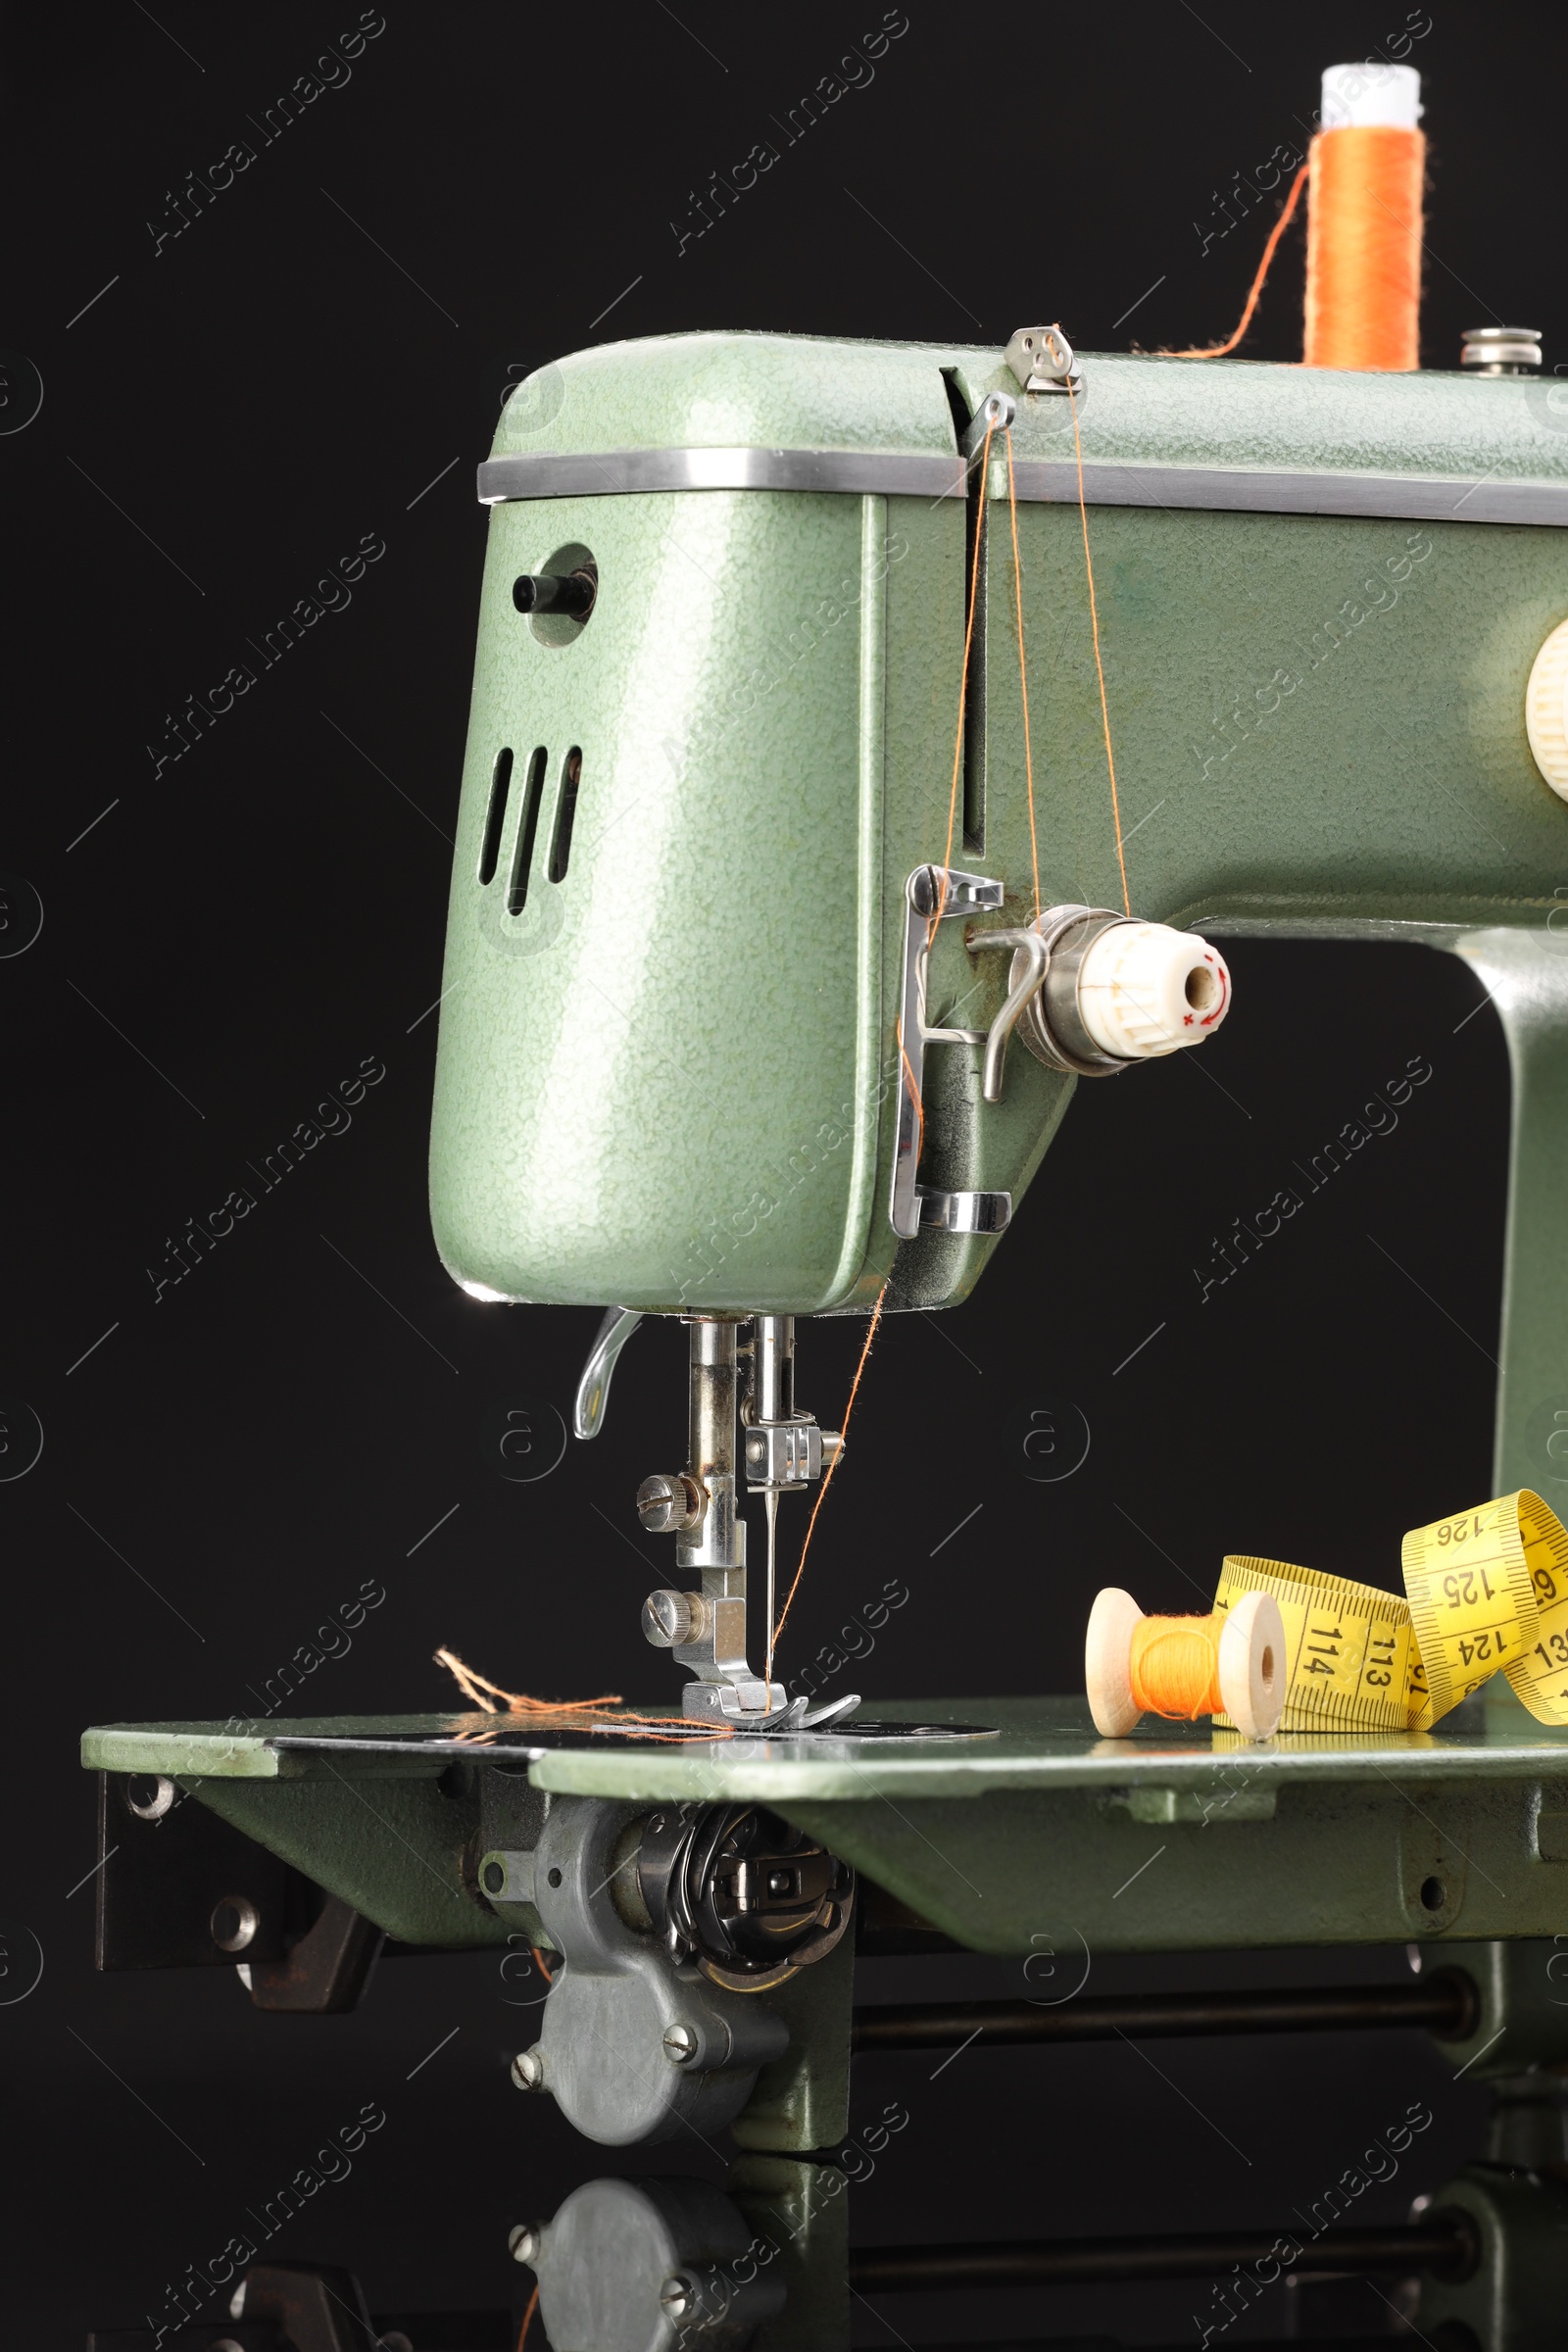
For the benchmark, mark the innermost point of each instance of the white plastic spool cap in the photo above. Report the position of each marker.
(1362, 96)
(1547, 710)
(1143, 989)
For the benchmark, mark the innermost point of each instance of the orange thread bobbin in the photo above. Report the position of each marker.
(1232, 1663)
(1364, 226)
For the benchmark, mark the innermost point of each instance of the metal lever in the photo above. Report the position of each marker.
(934, 894)
(1037, 952)
(593, 1389)
(570, 593)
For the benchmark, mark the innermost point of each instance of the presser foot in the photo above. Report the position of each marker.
(724, 1704)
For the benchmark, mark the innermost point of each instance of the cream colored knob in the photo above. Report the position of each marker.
(1547, 710)
(1143, 989)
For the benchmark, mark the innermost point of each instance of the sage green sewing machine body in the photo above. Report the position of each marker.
(670, 1075)
(671, 1079)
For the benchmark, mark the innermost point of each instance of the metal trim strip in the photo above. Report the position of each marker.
(850, 471)
(1242, 490)
(1248, 490)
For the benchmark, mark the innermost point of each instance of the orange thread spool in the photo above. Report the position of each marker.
(1232, 1663)
(1363, 248)
(1173, 1666)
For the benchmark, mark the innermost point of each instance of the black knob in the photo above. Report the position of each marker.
(571, 593)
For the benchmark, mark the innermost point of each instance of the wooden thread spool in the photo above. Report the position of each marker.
(1185, 1667)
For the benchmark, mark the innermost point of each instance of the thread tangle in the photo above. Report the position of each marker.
(564, 1714)
(1363, 248)
(1173, 1666)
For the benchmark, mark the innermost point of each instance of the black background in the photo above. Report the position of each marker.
(320, 356)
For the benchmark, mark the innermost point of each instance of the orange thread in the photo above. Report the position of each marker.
(1173, 1666)
(1099, 667)
(1023, 673)
(527, 2319)
(827, 1476)
(474, 1686)
(565, 1714)
(1363, 248)
(914, 1096)
(1219, 351)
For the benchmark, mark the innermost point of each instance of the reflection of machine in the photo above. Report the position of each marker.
(649, 2266)
(747, 907)
(765, 2262)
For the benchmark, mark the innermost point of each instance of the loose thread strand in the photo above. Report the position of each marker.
(827, 1477)
(1023, 673)
(1099, 666)
(1220, 351)
(565, 1714)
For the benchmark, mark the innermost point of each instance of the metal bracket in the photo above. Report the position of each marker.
(1044, 361)
(932, 895)
(634, 2045)
(1025, 983)
(327, 1971)
(994, 414)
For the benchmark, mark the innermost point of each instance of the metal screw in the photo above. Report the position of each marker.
(680, 2045)
(668, 1618)
(529, 2069)
(524, 2241)
(677, 2296)
(667, 1504)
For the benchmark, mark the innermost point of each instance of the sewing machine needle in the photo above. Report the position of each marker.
(770, 1505)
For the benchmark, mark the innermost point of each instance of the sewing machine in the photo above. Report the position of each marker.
(734, 1035)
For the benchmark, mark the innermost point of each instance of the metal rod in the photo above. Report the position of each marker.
(719, 1545)
(771, 1511)
(774, 1392)
(1445, 2003)
(772, 1400)
(1445, 2247)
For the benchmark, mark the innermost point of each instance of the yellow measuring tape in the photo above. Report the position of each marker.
(1484, 1590)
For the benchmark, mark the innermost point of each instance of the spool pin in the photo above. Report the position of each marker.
(1244, 1673)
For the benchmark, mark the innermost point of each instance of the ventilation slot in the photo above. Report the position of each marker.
(565, 812)
(522, 854)
(495, 816)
